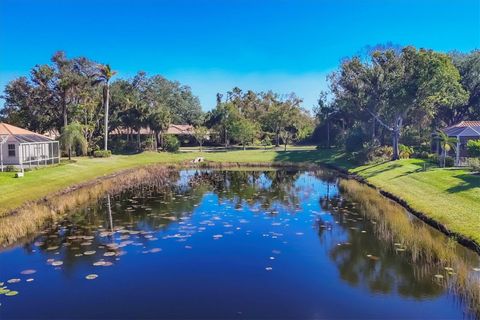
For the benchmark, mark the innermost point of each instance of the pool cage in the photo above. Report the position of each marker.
(38, 153)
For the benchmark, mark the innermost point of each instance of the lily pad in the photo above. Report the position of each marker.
(91, 276)
(28, 271)
(89, 253)
(11, 293)
(14, 280)
(109, 254)
(57, 263)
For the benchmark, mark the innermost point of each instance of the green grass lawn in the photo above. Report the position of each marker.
(39, 183)
(450, 196)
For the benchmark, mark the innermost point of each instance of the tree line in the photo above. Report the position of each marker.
(81, 92)
(390, 96)
(397, 95)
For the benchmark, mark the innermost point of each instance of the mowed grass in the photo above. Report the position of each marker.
(450, 196)
(39, 183)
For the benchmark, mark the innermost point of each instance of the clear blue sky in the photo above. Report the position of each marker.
(213, 45)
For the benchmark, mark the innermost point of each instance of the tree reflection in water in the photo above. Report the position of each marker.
(383, 253)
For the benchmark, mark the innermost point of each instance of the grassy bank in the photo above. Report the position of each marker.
(39, 183)
(449, 196)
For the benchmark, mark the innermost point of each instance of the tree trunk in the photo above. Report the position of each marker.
(157, 140)
(225, 138)
(70, 153)
(139, 142)
(396, 137)
(277, 138)
(107, 94)
(328, 133)
(444, 156)
(373, 128)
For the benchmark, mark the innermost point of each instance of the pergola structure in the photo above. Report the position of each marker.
(20, 147)
(463, 132)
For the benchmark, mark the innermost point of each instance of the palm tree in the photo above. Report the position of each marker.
(72, 136)
(103, 75)
(446, 143)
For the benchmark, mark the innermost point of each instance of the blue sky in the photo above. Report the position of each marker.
(214, 45)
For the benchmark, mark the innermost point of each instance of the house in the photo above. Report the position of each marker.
(463, 132)
(174, 129)
(180, 129)
(20, 147)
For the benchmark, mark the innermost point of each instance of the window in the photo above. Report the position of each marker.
(11, 150)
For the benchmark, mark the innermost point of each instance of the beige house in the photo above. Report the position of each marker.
(20, 147)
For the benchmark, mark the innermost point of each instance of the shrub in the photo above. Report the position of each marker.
(422, 155)
(405, 151)
(473, 147)
(10, 168)
(102, 153)
(474, 163)
(449, 162)
(354, 141)
(171, 143)
(382, 153)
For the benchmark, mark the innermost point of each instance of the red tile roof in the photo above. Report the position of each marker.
(20, 135)
(467, 124)
(180, 129)
(172, 129)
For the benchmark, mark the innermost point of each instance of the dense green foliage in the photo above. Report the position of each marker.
(389, 97)
(72, 138)
(473, 147)
(397, 95)
(171, 143)
(245, 117)
(78, 89)
(102, 153)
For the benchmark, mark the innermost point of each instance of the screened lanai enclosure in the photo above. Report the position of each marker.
(22, 148)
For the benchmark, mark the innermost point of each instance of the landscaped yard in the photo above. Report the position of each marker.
(39, 183)
(450, 196)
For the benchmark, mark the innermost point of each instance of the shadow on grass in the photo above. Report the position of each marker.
(468, 181)
(331, 157)
(375, 172)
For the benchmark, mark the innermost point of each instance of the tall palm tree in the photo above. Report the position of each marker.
(103, 75)
(72, 136)
(446, 143)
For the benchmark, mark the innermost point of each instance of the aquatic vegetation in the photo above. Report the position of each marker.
(33, 216)
(430, 253)
(199, 232)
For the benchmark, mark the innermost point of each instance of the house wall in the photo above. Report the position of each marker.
(10, 160)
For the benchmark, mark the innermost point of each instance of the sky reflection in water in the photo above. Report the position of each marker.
(220, 244)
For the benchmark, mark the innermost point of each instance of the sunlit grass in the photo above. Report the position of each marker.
(449, 196)
(39, 183)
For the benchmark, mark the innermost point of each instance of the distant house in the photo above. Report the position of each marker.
(463, 132)
(174, 129)
(180, 129)
(20, 147)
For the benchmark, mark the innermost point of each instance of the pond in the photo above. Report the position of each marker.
(253, 243)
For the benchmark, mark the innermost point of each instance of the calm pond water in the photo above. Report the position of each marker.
(226, 244)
